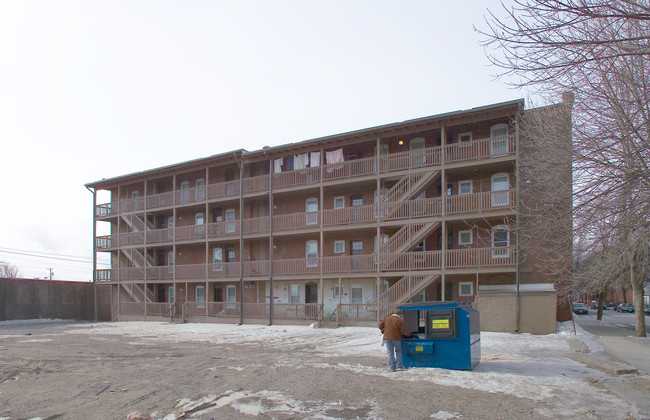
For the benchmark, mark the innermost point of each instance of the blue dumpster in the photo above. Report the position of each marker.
(448, 335)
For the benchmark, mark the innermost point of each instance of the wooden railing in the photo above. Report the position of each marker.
(480, 202)
(349, 215)
(256, 184)
(256, 225)
(297, 177)
(481, 149)
(349, 169)
(160, 200)
(357, 311)
(405, 261)
(223, 190)
(400, 292)
(104, 210)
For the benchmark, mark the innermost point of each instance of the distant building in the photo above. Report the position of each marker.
(337, 229)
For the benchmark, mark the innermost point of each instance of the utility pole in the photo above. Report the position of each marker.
(51, 272)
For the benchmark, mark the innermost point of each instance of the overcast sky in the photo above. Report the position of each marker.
(97, 89)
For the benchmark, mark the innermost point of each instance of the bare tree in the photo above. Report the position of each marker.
(599, 51)
(9, 271)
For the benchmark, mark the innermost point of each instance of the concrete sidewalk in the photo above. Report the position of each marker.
(627, 360)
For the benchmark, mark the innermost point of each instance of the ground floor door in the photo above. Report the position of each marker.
(311, 296)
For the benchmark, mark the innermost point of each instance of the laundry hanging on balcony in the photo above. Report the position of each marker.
(277, 165)
(300, 161)
(335, 156)
(315, 159)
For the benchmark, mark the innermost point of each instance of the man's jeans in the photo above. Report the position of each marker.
(394, 349)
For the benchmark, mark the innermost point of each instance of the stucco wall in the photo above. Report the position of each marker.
(537, 311)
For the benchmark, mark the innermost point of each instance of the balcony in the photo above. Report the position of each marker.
(476, 150)
(482, 203)
(467, 258)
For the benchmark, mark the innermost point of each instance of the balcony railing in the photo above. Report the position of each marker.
(386, 262)
(494, 147)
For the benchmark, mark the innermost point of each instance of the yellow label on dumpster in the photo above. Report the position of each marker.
(440, 324)
(419, 348)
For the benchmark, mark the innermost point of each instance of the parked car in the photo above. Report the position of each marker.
(594, 304)
(646, 309)
(625, 307)
(611, 305)
(580, 308)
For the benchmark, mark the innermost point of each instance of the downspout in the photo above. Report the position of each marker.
(517, 222)
(241, 238)
(94, 193)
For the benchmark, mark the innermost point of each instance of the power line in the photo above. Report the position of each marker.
(3, 251)
(44, 253)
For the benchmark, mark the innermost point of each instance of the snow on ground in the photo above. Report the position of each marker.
(523, 365)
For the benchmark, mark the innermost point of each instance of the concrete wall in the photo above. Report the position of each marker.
(537, 309)
(36, 299)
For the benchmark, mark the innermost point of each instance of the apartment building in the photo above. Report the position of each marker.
(338, 229)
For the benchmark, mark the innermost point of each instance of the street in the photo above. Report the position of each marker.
(612, 324)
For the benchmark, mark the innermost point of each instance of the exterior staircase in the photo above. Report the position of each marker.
(408, 187)
(401, 292)
(405, 239)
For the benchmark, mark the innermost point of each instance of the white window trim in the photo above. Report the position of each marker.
(335, 290)
(342, 198)
(341, 243)
(311, 261)
(466, 283)
(465, 143)
(460, 236)
(460, 187)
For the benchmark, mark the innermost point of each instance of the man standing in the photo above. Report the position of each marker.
(393, 329)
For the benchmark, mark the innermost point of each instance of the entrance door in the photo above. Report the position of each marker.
(185, 191)
(357, 213)
(416, 146)
(311, 296)
(356, 248)
(500, 186)
(311, 211)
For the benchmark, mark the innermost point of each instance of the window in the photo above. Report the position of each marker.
(336, 290)
(311, 210)
(170, 261)
(465, 139)
(311, 253)
(217, 259)
(465, 187)
(199, 296)
(383, 287)
(135, 194)
(339, 247)
(500, 193)
(500, 242)
(356, 294)
(420, 297)
(294, 293)
(465, 237)
(466, 288)
(339, 202)
(231, 256)
(357, 214)
(171, 294)
(499, 142)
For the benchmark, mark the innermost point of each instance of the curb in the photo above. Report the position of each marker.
(604, 365)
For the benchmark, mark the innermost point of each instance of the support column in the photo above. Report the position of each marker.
(443, 224)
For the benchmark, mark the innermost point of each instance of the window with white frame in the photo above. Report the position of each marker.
(339, 202)
(199, 192)
(465, 139)
(466, 288)
(336, 291)
(231, 226)
(231, 296)
(465, 187)
(171, 294)
(217, 259)
(339, 247)
(465, 237)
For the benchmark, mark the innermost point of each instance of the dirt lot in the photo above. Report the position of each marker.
(94, 371)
